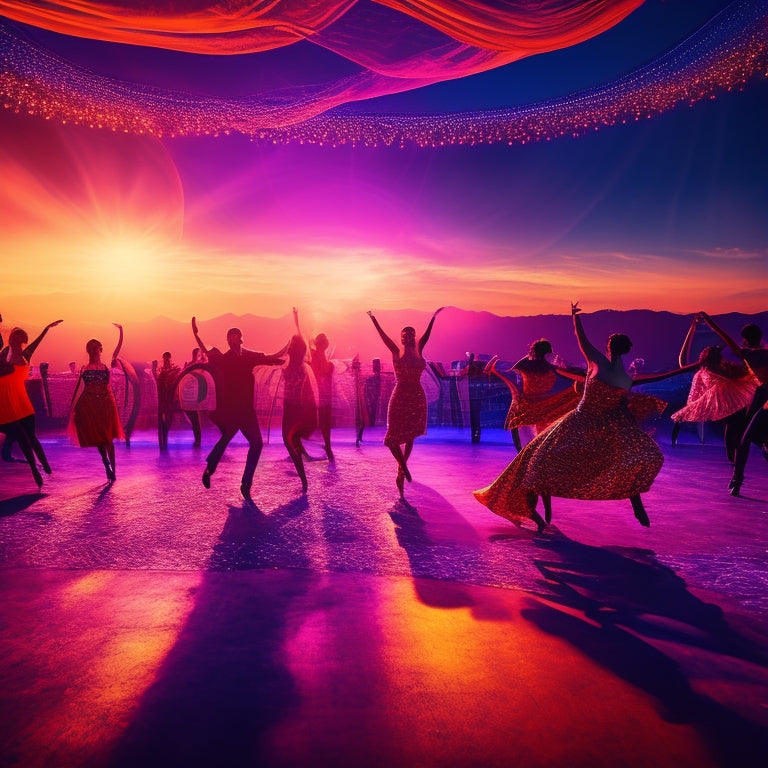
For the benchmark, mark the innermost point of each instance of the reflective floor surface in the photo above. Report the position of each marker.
(154, 622)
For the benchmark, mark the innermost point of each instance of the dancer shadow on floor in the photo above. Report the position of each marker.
(19, 503)
(225, 684)
(440, 564)
(630, 596)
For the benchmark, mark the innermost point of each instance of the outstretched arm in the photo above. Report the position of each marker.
(425, 338)
(119, 344)
(733, 346)
(682, 358)
(29, 350)
(391, 346)
(587, 349)
(199, 341)
(650, 378)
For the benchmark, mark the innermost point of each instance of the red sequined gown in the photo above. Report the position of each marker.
(596, 451)
(407, 411)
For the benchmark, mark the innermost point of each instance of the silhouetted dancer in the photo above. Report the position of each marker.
(17, 414)
(232, 373)
(596, 451)
(95, 420)
(755, 355)
(407, 411)
(299, 405)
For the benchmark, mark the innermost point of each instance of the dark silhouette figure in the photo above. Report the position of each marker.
(323, 369)
(17, 414)
(232, 373)
(407, 411)
(755, 355)
(299, 406)
(720, 392)
(166, 377)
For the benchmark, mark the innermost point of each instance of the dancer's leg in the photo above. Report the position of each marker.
(15, 432)
(228, 431)
(676, 427)
(28, 425)
(639, 510)
(252, 432)
(401, 460)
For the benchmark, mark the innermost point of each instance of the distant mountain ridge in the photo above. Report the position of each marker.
(656, 336)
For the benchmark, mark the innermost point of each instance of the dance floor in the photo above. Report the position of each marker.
(152, 622)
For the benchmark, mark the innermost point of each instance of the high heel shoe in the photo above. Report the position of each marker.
(245, 489)
(207, 478)
(734, 486)
(111, 476)
(46, 467)
(38, 478)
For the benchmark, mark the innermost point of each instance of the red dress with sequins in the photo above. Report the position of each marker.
(407, 412)
(596, 451)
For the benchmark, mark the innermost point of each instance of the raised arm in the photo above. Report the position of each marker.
(682, 358)
(425, 338)
(733, 346)
(391, 346)
(29, 350)
(119, 344)
(590, 353)
(199, 341)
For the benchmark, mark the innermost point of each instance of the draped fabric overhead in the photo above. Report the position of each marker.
(379, 48)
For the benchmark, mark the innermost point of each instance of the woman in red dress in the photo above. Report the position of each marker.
(95, 418)
(407, 411)
(537, 406)
(299, 405)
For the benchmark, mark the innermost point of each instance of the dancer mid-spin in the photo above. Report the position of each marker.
(537, 406)
(596, 451)
(95, 420)
(407, 411)
(232, 373)
(720, 392)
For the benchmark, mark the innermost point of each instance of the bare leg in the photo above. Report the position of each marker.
(532, 498)
(105, 460)
(516, 439)
(401, 460)
(676, 432)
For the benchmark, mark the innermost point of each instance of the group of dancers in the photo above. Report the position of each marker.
(589, 442)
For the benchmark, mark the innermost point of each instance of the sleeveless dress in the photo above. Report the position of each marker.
(596, 451)
(533, 406)
(714, 396)
(407, 411)
(14, 400)
(95, 417)
(299, 408)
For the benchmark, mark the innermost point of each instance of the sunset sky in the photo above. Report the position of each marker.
(666, 213)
